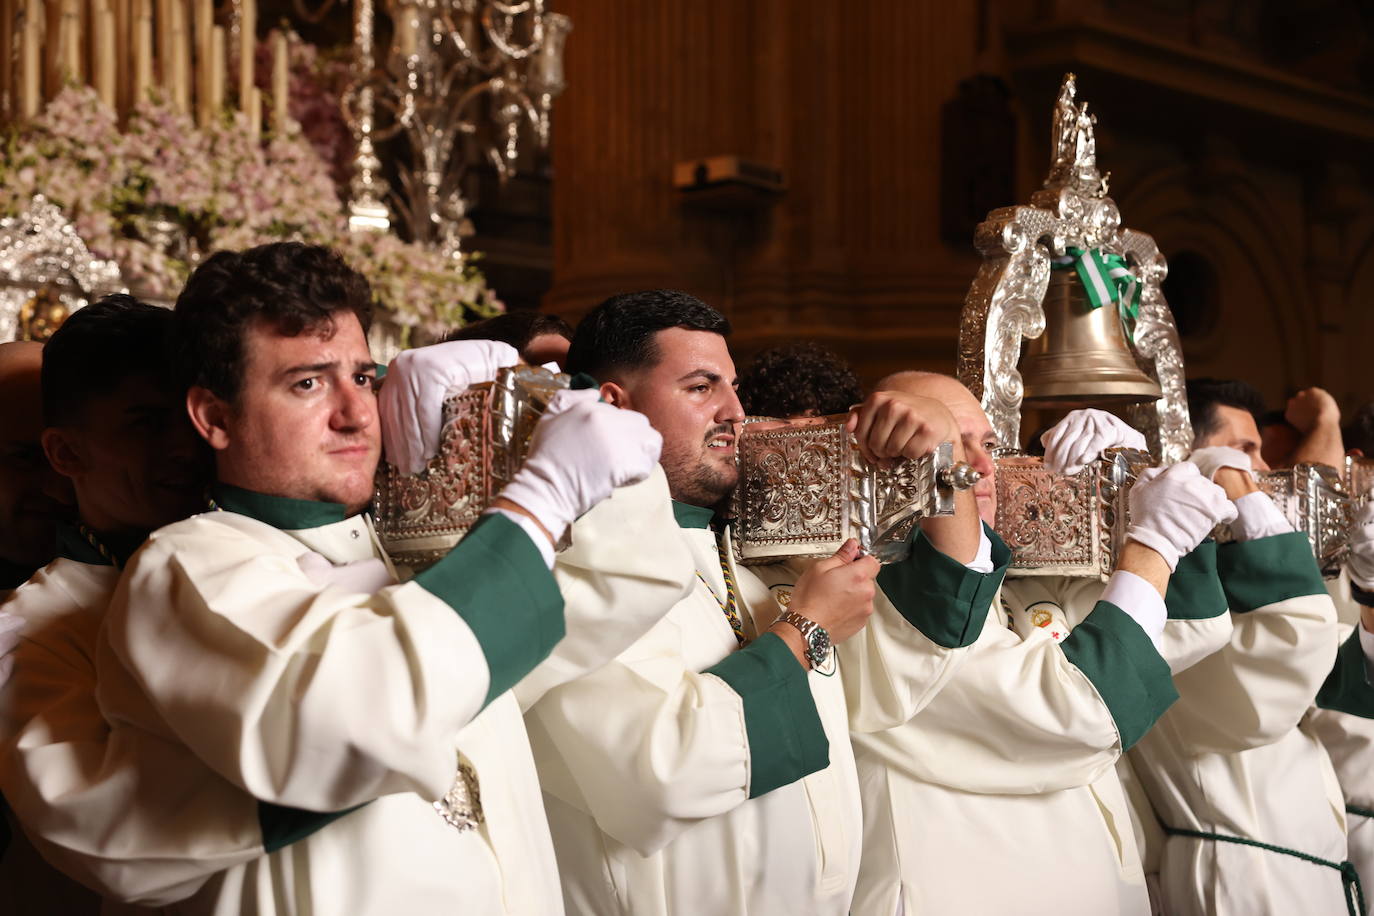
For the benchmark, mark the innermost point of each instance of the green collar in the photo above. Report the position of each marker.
(73, 545)
(692, 516)
(278, 511)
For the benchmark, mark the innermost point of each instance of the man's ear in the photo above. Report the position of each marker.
(616, 396)
(209, 415)
(64, 454)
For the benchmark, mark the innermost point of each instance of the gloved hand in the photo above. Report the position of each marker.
(366, 576)
(1174, 509)
(1215, 457)
(411, 402)
(1361, 561)
(11, 625)
(581, 450)
(1081, 436)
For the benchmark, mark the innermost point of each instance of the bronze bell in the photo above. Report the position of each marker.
(1082, 358)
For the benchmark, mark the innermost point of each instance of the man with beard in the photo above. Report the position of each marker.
(116, 430)
(1013, 761)
(708, 768)
(1244, 790)
(269, 644)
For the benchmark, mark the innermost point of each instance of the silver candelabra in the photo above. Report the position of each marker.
(446, 58)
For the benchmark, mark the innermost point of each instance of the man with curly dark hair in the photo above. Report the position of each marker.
(798, 380)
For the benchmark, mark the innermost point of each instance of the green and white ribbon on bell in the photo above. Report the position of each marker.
(1106, 279)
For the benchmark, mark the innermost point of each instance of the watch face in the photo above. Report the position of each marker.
(818, 646)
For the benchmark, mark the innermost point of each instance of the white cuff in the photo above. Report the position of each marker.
(541, 540)
(1257, 517)
(982, 560)
(1367, 644)
(1140, 600)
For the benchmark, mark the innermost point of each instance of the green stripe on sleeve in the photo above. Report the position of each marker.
(1123, 664)
(1265, 571)
(1347, 688)
(495, 578)
(941, 597)
(786, 738)
(1195, 591)
(283, 826)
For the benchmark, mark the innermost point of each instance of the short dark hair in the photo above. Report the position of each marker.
(289, 285)
(1205, 395)
(96, 349)
(514, 328)
(618, 335)
(794, 379)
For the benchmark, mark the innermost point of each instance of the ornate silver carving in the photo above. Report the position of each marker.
(486, 432)
(461, 806)
(1316, 501)
(804, 489)
(1065, 525)
(46, 268)
(1003, 305)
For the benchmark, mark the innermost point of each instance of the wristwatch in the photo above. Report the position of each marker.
(817, 639)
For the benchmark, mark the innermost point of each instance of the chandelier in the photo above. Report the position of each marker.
(461, 80)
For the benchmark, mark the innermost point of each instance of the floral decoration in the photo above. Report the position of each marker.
(159, 192)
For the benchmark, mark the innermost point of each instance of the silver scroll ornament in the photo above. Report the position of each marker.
(1065, 524)
(1004, 305)
(804, 489)
(486, 433)
(46, 272)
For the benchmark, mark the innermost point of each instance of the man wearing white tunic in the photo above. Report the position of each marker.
(116, 429)
(267, 641)
(1343, 715)
(1232, 765)
(708, 769)
(1002, 792)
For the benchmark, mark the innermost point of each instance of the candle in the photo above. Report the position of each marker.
(164, 54)
(104, 69)
(181, 58)
(31, 59)
(281, 80)
(405, 31)
(203, 22)
(248, 42)
(69, 39)
(217, 76)
(143, 51)
(254, 110)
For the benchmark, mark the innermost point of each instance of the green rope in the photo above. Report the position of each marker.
(1350, 878)
(1362, 812)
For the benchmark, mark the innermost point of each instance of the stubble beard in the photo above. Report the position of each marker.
(697, 481)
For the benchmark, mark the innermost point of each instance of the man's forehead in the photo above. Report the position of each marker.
(682, 351)
(340, 337)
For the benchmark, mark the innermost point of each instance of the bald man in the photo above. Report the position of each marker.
(32, 497)
(1002, 795)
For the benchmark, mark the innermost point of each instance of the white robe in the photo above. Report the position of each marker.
(1001, 796)
(690, 776)
(1231, 757)
(320, 699)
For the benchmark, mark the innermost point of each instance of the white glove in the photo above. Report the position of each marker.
(11, 625)
(1215, 457)
(411, 402)
(1081, 436)
(1361, 561)
(1174, 509)
(366, 576)
(581, 450)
